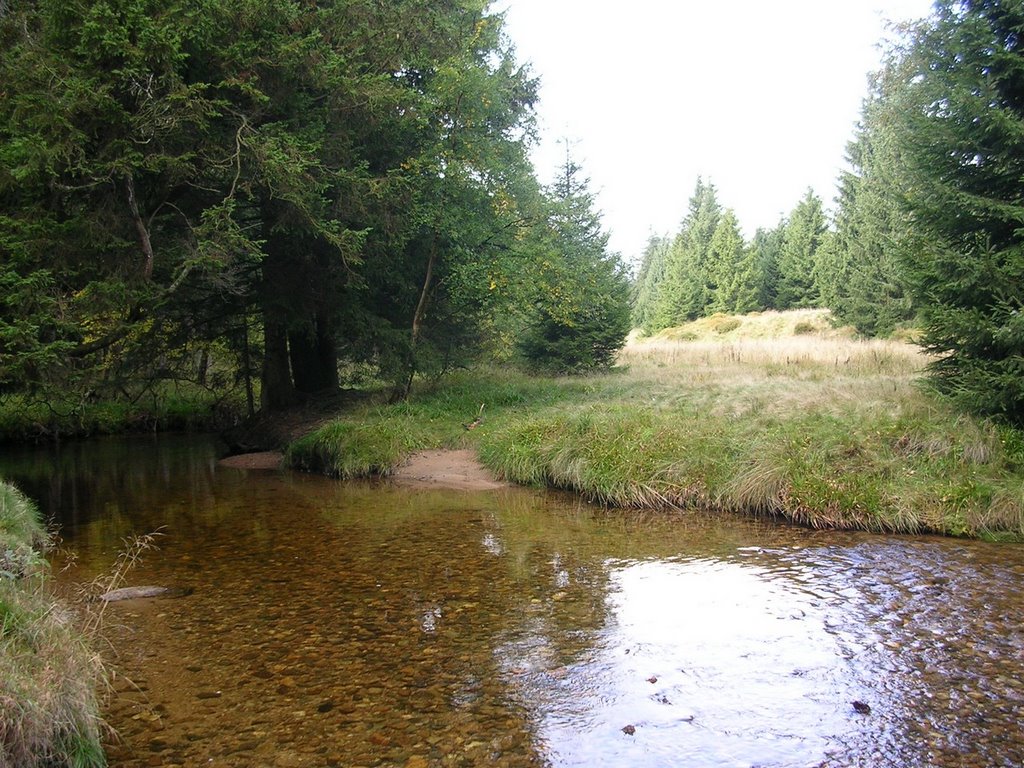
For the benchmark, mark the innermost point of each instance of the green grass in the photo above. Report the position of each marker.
(373, 439)
(812, 426)
(49, 674)
(22, 535)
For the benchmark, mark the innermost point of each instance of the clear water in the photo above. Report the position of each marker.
(358, 624)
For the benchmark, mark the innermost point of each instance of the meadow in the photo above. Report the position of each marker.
(774, 414)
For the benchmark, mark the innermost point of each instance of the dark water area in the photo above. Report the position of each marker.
(360, 624)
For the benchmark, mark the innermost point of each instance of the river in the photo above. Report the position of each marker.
(360, 624)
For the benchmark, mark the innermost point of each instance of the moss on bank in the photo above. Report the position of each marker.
(49, 675)
(825, 431)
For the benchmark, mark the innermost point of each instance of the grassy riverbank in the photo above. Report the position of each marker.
(49, 675)
(187, 407)
(774, 414)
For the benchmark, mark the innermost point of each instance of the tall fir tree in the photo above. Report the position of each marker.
(582, 305)
(724, 256)
(955, 97)
(766, 248)
(748, 282)
(802, 238)
(860, 274)
(218, 162)
(687, 288)
(649, 280)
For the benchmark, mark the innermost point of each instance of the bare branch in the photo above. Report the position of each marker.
(140, 226)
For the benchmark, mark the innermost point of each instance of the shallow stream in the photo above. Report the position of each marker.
(359, 624)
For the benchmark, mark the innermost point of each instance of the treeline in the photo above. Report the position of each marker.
(929, 222)
(277, 191)
(708, 267)
(806, 260)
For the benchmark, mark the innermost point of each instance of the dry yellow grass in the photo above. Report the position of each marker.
(776, 373)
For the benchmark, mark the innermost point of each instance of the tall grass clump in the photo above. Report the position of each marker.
(350, 448)
(49, 674)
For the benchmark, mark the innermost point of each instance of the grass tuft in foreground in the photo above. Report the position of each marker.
(49, 674)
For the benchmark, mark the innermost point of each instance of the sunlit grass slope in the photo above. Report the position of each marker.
(790, 418)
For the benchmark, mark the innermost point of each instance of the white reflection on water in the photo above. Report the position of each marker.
(713, 663)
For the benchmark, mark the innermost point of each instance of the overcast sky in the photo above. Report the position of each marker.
(759, 97)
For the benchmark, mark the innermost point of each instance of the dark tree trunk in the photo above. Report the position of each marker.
(327, 352)
(298, 290)
(276, 392)
(314, 358)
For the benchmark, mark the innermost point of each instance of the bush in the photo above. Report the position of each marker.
(584, 336)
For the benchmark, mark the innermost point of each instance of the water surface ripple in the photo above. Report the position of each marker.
(358, 624)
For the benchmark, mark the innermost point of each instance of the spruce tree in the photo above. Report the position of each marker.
(649, 281)
(861, 277)
(687, 288)
(747, 282)
(581, 310)
(801, 240)
(767, 248)
(724, 255)
(955, 97)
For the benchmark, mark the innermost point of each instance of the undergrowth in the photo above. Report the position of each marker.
(174, 406)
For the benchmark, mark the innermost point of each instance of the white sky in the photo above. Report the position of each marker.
(759, 96)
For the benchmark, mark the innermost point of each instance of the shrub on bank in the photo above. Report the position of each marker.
(49, 676)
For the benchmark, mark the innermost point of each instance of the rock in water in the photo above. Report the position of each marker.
(134, 593)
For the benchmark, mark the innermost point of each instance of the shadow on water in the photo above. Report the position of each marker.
(357, 624)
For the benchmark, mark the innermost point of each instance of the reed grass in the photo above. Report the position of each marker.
(49, 671)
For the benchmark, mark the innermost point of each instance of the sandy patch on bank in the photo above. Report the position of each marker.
(458, 470)
(261, 460)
